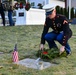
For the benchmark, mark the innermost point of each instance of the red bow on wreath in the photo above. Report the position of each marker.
(27, 7)
(21, 5)
(45, 52)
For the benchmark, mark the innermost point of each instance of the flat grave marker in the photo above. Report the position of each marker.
(33, 63)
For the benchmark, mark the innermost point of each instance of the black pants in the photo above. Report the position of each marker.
(3, 17)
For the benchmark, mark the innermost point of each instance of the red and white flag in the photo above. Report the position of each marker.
(15, 54)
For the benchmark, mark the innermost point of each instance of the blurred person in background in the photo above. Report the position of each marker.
(10, 12)
(2, 9)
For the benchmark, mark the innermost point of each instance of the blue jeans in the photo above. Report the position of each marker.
(11, 22)
(51, 37)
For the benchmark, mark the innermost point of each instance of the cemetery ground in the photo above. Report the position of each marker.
(28, 40)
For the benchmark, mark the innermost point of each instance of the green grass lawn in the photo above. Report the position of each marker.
(28, 40)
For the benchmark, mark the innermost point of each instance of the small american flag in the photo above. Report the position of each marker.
(15, 54)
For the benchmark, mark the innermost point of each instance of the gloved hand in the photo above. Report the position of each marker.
(62, 49)
(41, 46)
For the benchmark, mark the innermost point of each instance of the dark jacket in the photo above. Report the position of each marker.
(10, 9)
(57, 25)
(1, 7)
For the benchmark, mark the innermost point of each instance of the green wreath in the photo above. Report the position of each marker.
(48, 53)
(27, 7)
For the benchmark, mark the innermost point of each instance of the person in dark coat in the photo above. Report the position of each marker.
(2, 13)
(61, 31)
